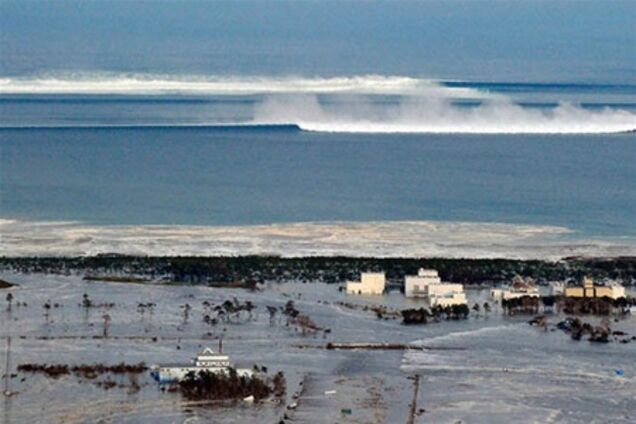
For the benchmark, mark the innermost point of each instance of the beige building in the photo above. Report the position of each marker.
(589, 289)
(370, 283)
(427, 284)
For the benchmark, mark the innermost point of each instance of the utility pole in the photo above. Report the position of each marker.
(7, 392)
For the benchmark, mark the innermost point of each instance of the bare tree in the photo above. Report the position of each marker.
(107, 320)
(186, 312)
(47, 309)
(9, 301)
(272, 314)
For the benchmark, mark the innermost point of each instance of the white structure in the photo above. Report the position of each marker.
(618, 291)
(427, 284)
(557, 288)
(416, 285)
(612, 290)
(370, 283)
(518, 288)
(206, 360)
(448, 299)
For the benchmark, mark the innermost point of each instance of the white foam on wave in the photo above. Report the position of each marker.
(377, 239)
(423, 105)
(150, 84)
(439, 115)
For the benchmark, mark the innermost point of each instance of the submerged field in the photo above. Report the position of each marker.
(489, 368)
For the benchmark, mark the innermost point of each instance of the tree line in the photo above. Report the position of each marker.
(221, 270)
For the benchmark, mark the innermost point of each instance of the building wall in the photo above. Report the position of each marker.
(618, 291)
(455, 299)
(574, 291)
(415, 286)
(610, 291)
(370, 283)
(515, 294)
(444, 289)
(428, 283)
(597, 291)
(604, 291)
(428, 273)
(500, 294)
(557, 288)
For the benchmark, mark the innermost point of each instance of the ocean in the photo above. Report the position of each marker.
(320, 123)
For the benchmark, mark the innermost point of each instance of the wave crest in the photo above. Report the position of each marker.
(149, 84)
(351, 104)
(439, 115)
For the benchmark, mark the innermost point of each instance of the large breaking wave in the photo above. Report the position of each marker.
(428, 114)
(354, 104)
(149, 84)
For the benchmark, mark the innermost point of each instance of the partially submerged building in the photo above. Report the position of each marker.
(519, 287)
(416, 285)
(427, 284)
(370, 283)
(589, 289)
(207, 360)
(556, 288)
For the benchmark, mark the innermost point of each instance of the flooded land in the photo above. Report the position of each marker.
(345, 364)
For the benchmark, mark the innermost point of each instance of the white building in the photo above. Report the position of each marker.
(427, 284)
(370, 283)
(206, 360)
(416, 285)
(448, 299)
(518, 288)
(616, 291)
(556, 288)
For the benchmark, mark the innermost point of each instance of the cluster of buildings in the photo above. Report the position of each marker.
(526, 287)
(426, 284)
(589, 289)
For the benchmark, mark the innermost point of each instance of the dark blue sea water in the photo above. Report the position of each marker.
(229, 176)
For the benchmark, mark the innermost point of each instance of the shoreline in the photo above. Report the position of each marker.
(388, 239)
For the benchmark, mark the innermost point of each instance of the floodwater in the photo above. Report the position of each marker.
(487, 369)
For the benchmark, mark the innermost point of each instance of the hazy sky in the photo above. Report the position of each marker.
(518, 40)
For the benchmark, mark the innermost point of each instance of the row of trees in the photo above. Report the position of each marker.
(300, 321)
(228, 270)
(88, 371)
(436, 313)
(206, 385)
(228, 311)
(569, 305)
